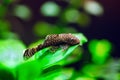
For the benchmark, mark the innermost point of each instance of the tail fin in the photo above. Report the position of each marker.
(29, 53)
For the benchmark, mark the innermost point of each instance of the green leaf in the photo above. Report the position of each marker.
(51, 72)
(6, 73)
(11, 52)
(75, 56)
(29, 70)
(53, 58)
(35, 68)
(48, 58)
(40, 66)
(100, 50)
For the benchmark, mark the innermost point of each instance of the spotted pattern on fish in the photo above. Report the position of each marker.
(52, 40)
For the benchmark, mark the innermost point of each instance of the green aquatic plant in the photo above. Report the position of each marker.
(42, 66)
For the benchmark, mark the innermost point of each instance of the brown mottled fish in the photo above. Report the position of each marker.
(53, 40)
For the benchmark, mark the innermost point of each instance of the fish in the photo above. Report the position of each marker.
(52, 40)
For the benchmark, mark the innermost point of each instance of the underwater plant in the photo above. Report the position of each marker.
(43, 65)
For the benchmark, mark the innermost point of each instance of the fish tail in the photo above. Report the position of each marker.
(29, 53)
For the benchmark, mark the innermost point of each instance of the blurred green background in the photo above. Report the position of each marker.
(25, 23)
